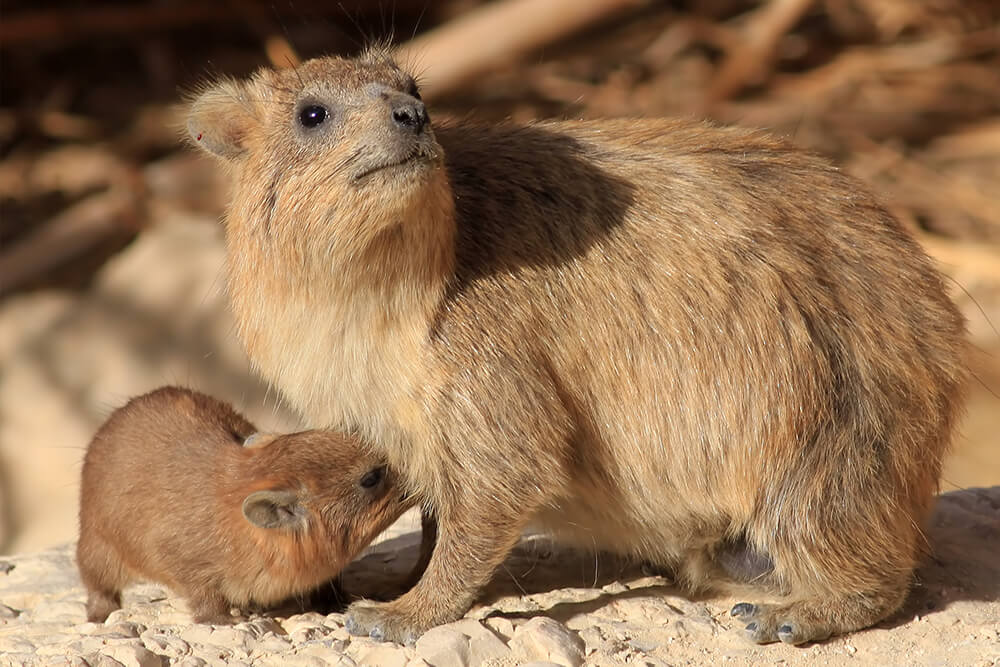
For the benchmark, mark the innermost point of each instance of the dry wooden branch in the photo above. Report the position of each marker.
(68, 235)
(68, 23)
(763, 31)
(498, 33)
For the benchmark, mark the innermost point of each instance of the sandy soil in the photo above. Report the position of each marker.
(544, 605)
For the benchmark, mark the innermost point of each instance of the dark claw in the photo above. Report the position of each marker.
(743, 609)
(377, 634)
(752, 627)
(785, 630)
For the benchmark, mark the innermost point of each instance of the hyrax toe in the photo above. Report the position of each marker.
(791, 623)
(382, 622)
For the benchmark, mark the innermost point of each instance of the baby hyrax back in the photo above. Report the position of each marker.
(171, 494)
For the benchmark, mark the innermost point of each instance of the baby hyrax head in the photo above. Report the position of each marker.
(311, 144)
(318, 488)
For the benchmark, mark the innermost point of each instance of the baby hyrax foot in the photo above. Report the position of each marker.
(382, 622)
(100, 604)
(789, 623)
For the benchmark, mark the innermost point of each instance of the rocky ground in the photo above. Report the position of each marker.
(544, 606)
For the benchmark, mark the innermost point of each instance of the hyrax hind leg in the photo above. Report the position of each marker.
(840, 573)
(815, 619)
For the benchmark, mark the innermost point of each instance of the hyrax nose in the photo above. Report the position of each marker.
(409, 114)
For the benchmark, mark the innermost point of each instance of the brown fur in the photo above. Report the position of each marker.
(165, 491)
(658, 337)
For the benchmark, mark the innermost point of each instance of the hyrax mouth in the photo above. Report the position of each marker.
(414, 157)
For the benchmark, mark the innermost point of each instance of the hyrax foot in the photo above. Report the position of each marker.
(790, 623)
(382, 622)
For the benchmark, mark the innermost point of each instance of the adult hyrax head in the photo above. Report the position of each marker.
(171, 493)
(355, 128)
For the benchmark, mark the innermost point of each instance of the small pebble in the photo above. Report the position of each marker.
(543, 638)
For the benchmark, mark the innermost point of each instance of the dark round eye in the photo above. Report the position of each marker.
(372, 478)
(312, 115)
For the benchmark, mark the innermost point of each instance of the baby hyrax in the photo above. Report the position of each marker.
(693, 345)
(170, 493)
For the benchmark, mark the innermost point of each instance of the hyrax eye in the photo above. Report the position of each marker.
(372, 478)
(312, 115)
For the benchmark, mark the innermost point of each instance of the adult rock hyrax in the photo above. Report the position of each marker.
(171, 494)
(675, 341)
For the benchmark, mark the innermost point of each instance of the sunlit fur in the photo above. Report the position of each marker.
(649, 336)
(163, 484)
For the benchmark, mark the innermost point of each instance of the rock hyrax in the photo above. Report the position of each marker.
(658, 337)
(171, 494)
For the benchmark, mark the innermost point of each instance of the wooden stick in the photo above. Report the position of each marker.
(66, 236)
(70, 23)
(761, 36)
(495, 34)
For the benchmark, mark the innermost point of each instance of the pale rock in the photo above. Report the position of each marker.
(170, 646)
(540, 663)
(8, 612)
(15, 644)
(59, 610)
(291, 660)
(502, 626)
(190, 661)
(102, 660)
(305, 634)
(308, 620)
(131, 655)
(487, 647)
(543, 638)
(17, 659)
(614, 588)
(643, 644)
(592, 638)
(444, 647)
(417, 662)
(223, 636)
(385, 655)
(261, 626)
(68, 648)
(503, 661)
(271, 643)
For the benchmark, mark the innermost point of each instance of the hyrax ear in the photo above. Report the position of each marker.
(274, 509)
(220, 118)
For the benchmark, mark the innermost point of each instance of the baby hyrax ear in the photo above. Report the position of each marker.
(259, 439)
(220, 118)
(275, 509)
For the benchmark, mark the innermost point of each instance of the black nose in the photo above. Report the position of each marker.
(410, 115)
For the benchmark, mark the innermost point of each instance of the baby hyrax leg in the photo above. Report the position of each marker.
(210, 607)
(103, 575)
(100, 603)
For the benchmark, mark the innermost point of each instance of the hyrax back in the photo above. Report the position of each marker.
(170, 493)
(660, 337)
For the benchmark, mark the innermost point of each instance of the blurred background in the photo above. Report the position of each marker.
(110, 245)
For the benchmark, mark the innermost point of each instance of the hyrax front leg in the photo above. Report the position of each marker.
(470, 546)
